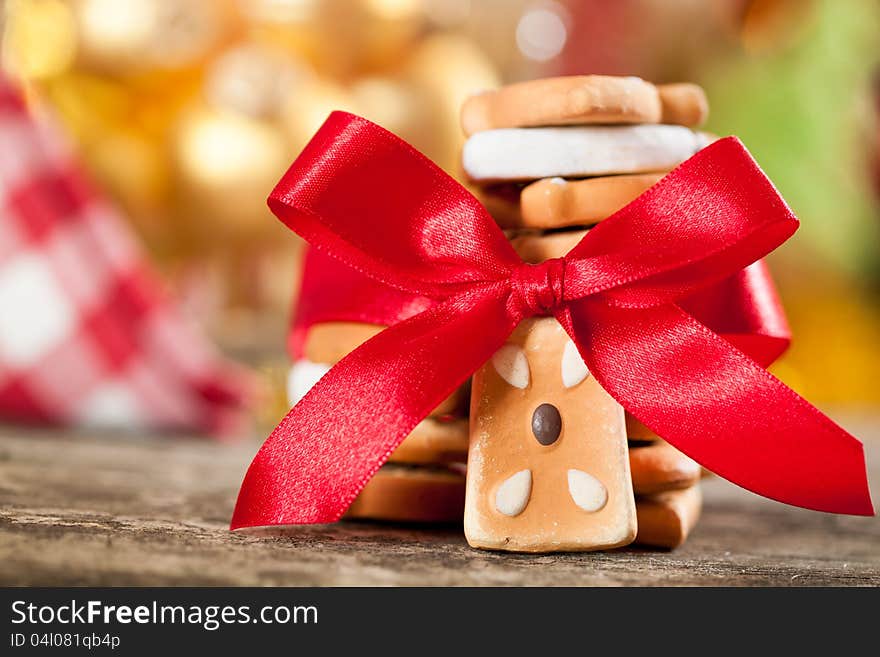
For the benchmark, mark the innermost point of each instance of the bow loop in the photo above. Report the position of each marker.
(387, 210)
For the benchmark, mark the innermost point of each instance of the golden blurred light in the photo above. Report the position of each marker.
(39, 37)
(447, 13)
(308, 106)
(89, 105)
(390, 103)
(144, 34)
(444, 70)
(253, 80)
(217, 147)
(278, 11)
(541, 32)
(113, 28)
(133, 167)
(226, 164)
(394, 9)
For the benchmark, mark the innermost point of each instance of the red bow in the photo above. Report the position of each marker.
(743, 308)
(367, 198)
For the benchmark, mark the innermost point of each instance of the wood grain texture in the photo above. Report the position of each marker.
(133, 510)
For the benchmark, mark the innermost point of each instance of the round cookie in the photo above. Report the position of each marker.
(519, 154)
(553, 203)
(660, 467)
(666, 519)
(583, 99)
(330, 342)
(563, 100)
(399, 493)
(683, 104)
(434, 441)
(535, 248)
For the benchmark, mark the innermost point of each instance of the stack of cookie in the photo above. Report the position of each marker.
(554, 463)
(423, 480)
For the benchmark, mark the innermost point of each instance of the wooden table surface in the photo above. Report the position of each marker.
(121, 510)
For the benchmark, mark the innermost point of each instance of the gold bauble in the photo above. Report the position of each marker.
(134, 170)
(357, 37)
(253, 79)
(445, 69)
(124, 37)
(306, 108)
(226, 165)
(393, 104)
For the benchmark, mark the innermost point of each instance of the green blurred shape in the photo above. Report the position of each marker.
(805, 112)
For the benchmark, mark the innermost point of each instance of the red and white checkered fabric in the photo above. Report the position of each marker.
(87, 336)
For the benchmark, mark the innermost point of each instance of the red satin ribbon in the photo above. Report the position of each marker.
(362, 195)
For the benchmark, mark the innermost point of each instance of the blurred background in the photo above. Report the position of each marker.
(187, 112)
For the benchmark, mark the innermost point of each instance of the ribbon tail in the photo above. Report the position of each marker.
(327, 448)
(746, 311)
(720, 407)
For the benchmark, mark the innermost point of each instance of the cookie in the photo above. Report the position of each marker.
(330, 342)
(548, 468)
(635, 430)
(666, 519)
(513, 154)
(434, 441)
(683, 104)
(583, 99)
(553, 203)
(660, 467)
(399, 493)
(536, 248)
(563, 100)
(301, 377)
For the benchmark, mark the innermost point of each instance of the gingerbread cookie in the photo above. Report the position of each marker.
(553, 203)
(583, 99)
(434, 441)
(400, 493)
(660, 467)
(547, 468)
(533, 153)
(665, 520)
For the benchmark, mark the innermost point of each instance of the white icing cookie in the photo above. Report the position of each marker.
(303, 375)
(530, 153)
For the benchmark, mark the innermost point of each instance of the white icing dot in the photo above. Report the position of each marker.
(586, 491)
(512, 365)
(513, 494)
(574, 369)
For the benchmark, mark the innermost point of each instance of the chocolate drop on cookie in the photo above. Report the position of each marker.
(546, 424)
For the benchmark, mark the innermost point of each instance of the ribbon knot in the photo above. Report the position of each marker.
(538, 289)
(623, 294)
